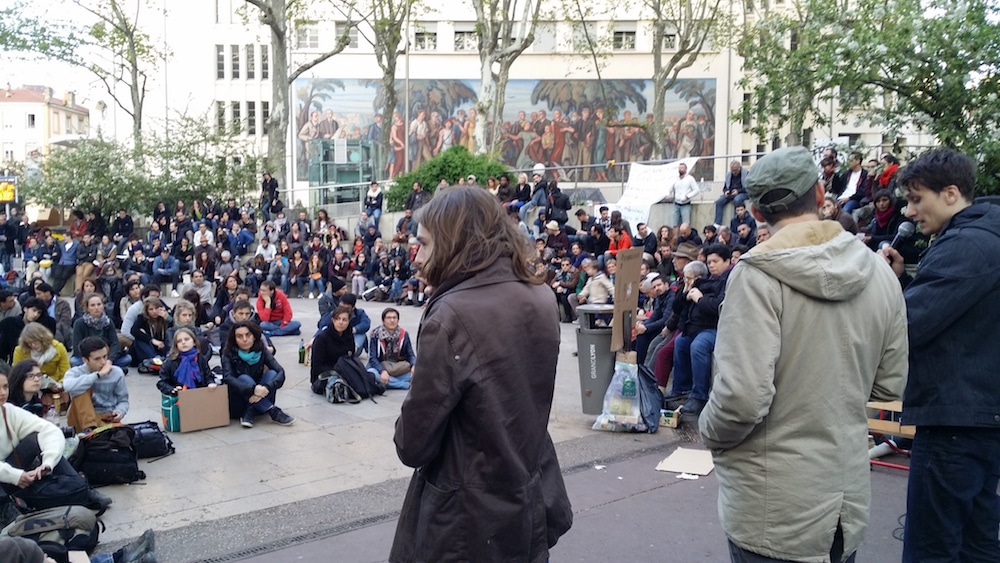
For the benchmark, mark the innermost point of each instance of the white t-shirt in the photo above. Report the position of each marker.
(852, 186)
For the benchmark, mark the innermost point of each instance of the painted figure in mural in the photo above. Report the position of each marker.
(469, 131)
(310, 130)
(420, 151)
(397, 160)
(687, 136)
(328, 126)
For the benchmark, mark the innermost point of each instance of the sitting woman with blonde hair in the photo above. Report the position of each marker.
(38, 344)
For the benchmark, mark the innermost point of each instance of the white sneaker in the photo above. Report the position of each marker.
(174, 293)
(311, 295)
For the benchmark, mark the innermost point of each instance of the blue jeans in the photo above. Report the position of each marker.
(275, 329)
(6, 260)
(375, 214)
(850, 205)
(723, 201)
(682, 214)
(360, 344)
(952, 507)
(300, 284)
(395, 382)
(316, 286)
(265, 404)
(693, 364)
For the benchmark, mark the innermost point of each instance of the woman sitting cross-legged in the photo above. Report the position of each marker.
(252, 374)
(185, 367)
(331, 344)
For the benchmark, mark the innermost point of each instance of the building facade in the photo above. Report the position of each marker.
(33, 120)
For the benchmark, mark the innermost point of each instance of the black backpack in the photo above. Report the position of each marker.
(150, 441)
(73, 527)
(106, 456)
(353, 374)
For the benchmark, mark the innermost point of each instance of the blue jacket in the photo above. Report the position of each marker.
(953, 305)
(68, 255)
(376, 351)
(170, 265)
(663, 306)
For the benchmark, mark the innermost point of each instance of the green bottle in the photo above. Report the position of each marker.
(302, 351)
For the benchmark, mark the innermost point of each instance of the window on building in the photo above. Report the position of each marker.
(265, 62)
(252, 118)
(745, 156)
(807, 137)
(8, 154)
(307, 36)
(220, 62)
(69, 124)
(251, 67)
(623, 40)
(775, 143)
(467, 41)
(581, 32)
(31, 121)
(352, 35)
(760, 150)
(234, 53)
(265, 114)
(236, 118)
(793, 41)
(237, 161)
(81, 128)
(746, 110)
(425, 41)
(55, 123)
(670, 42)
(220, 116)
(545, 38)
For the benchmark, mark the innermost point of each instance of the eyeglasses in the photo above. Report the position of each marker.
(34, 375)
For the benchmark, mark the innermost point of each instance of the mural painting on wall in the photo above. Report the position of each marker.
(560, 123)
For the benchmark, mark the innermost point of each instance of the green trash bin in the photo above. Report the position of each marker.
(597, 362)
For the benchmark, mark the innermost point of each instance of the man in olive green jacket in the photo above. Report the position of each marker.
(813, 326)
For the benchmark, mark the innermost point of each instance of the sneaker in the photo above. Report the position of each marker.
(137, 551)
(174, 293)
(246, 421)
(279, 417)
(693, 406)
(671, 402)
(311, 295)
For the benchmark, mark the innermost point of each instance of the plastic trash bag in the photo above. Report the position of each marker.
(622, 407)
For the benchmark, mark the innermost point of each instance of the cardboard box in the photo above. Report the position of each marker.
(669, 419)
(196, 409)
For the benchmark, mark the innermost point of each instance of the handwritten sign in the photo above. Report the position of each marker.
(648, 184)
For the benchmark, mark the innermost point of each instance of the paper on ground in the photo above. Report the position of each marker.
(683, 460)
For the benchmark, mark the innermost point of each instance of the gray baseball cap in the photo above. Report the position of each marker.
(789, 169)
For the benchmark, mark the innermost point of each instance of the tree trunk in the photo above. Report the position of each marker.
(487, 98)
(388, 108)
(277, 129)
(659, 90)
(501, 93)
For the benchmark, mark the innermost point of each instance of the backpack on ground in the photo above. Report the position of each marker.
(150, 441)
(338, 391)
(75, 527)
(354, 375)
(106, 456)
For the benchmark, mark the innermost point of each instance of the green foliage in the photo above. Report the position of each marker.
(454, 163)
(194, 162)
(924, 64)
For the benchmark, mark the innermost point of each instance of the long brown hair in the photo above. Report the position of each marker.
(471, 231)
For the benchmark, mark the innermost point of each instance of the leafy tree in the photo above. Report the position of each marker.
(194, 162)
(454, 163)
(928, 64)
(505, 28)
(279, 16)
(112, 46)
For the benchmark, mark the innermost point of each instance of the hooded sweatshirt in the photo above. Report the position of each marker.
(813, 326)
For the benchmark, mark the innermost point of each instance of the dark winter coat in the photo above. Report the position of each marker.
(487, 485)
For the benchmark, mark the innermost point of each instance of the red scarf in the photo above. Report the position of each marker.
(887, 174)
(882, 218)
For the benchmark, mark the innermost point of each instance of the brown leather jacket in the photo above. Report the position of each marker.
(487, 485)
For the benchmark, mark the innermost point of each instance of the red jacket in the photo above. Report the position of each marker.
(624, 242)
(280, 310)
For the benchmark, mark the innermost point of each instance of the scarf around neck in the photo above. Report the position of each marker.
(251, 358)
(100, 323)
(390, 340)
(188, 373)
(44, 357)
(883, 217)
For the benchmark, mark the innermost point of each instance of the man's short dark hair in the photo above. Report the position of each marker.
(34, 303)
(720, 250)
(938, 169)
(269, 284)
(44, 288)
(710, 228)
(5, 295)
(741, 248)
(349, 299)
(146, 290)
(131, 284)
(828, 161)
(91, 344)
(804, 205)
(604, 208)
(242, 304)
(580, 212)
(387, 311)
